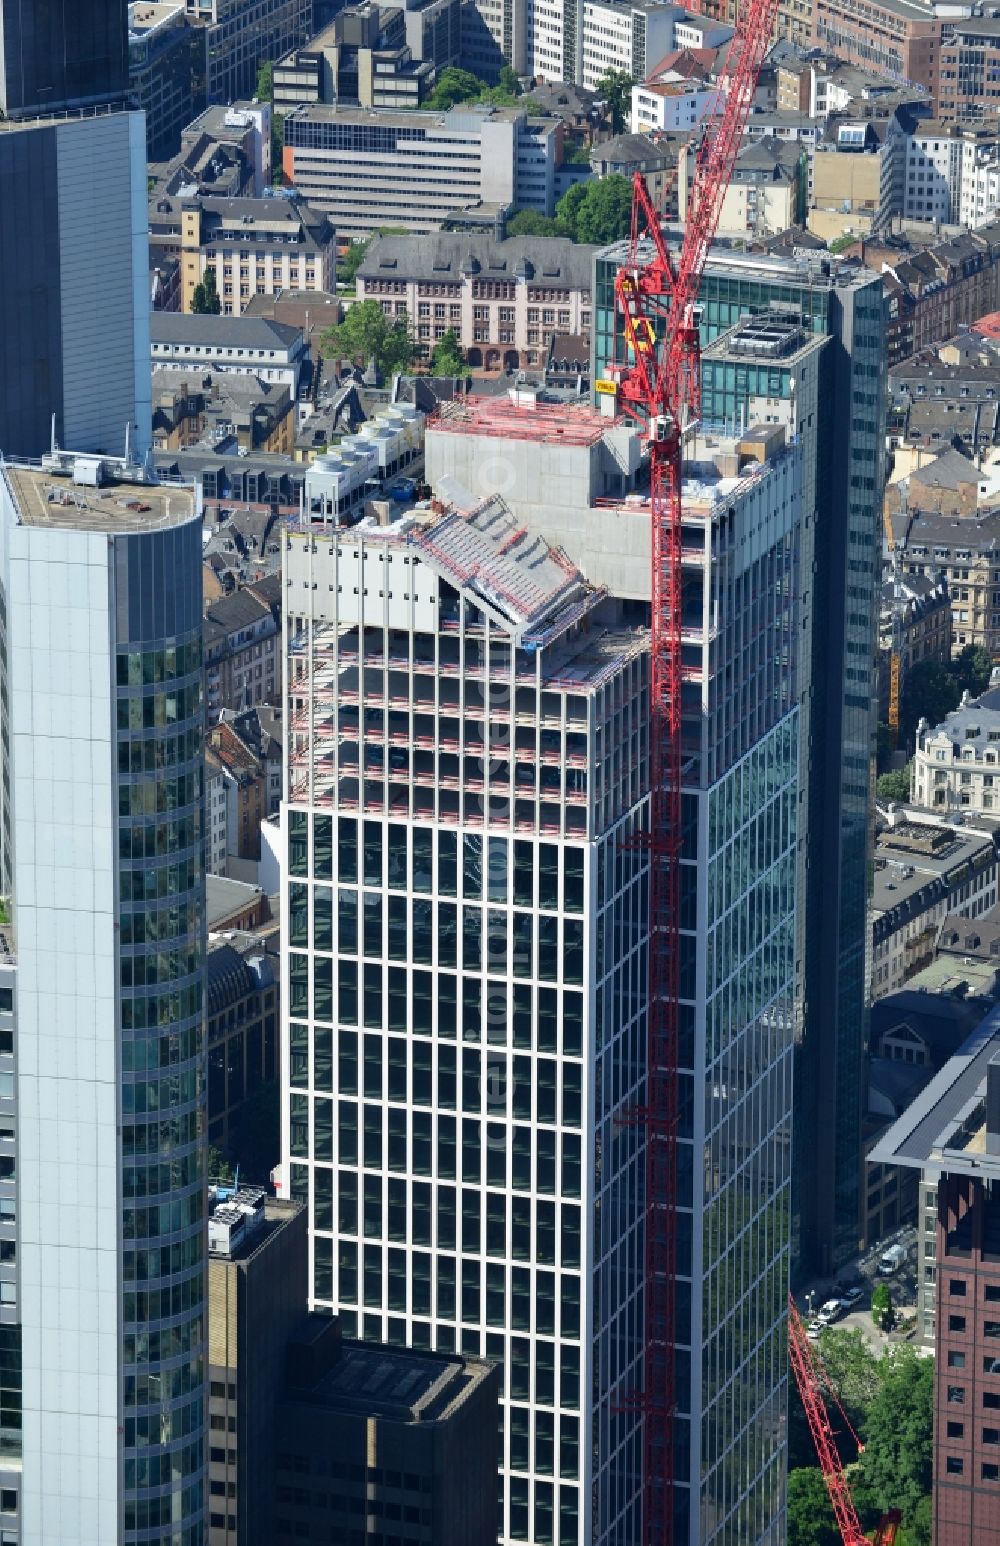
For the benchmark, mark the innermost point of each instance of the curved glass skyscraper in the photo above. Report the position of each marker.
(102, 729)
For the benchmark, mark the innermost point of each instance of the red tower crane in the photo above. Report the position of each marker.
(660, 382)
(804, 1369)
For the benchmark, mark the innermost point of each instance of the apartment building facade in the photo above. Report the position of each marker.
(969, 89)
(956, 764)
(627, 35)
(503, 299)
(415, 170)
(105, 785)
(897, 38)
(253, 246)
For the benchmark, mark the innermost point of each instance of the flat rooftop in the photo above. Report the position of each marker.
(946, 1121)
(818, 268)
(146, 15)
(904, 868)
(43, 498)
(379, 1381)
(500, 418)
(765, 336)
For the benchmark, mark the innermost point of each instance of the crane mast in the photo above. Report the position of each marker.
(656, 295)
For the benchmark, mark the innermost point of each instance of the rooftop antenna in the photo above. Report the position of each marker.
(128, 444)
(52, 446)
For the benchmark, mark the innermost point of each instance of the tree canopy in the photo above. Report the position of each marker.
(897, 1460)
(895, 785)
(446, 357)
(348, 265)
(205, 300)
(455, 85)
(882, 1306)
(366, 334)
(615, 86)
(931, 688)
(930, 691)
(973, 668)
(810, 1514)
(888, 1400)
(597, 210)
(264, 92)
(600, 209)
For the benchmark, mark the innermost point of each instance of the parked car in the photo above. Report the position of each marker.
(851, 1295)
(813, 1330)
(829, 1312)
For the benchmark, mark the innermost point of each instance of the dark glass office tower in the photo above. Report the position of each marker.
(74, 272)
(57, 54)
(846, 304)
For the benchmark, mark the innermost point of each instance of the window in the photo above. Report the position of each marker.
(955, 1430)
(956, 1360)
(956, 1395)
(991, 1435)
(954, 1466)
(956, 1323)
(957, 1287)
(989, 1473)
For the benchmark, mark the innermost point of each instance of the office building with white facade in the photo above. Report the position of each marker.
(414, 170)
(464, 981)
(627, 35)
(102, 732)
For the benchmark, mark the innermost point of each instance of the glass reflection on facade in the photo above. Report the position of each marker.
(846, 305)
(161, 882)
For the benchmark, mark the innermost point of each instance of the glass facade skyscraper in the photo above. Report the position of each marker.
(103, 778)
(845, 304)
(465, 907)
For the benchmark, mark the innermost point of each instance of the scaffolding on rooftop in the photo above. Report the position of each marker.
(572, 424)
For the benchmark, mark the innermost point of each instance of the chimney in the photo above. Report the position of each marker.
(993, 1105)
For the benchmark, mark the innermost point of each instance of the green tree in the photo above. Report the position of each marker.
(366, 333)
(447, 358)
(598, 211)
(568, 209)
(219, 1167)
(882, 1306)
(972, 669)
(348, 265)
(930, 691)
(897, 1460)
(810, 1515)
(605, 212)
(205, 299)
(528, 222)
(509, 82)
(895, 785)
(615, 86)
(265, 93)
(855, 1370)
(921, 1523)
(455, 85)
